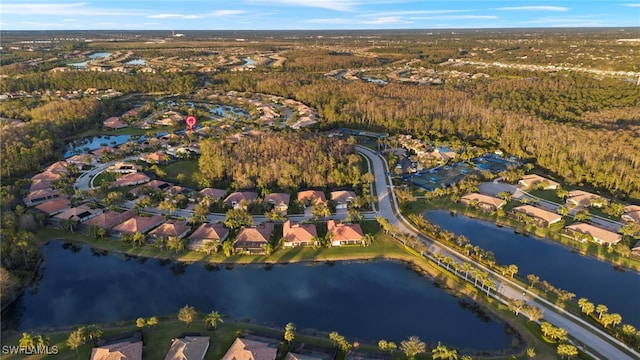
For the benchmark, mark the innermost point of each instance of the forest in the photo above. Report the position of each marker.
(281, 161)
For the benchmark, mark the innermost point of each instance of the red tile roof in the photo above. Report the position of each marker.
(243, 349)
(214, 194)
(118, 351)
(298, 233)
(54, 206)
(171, 228)
(250, 237)
(109, 219)
(344, 232)
(139, 224)
(310, 195)
(210, 231)
(131, 179)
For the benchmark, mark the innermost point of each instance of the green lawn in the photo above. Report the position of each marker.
(189, 168)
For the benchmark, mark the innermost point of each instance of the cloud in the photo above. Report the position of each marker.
(337, 5)
(413, 12)
(61, 9)
(174, 16)
(568, 21)
(70, 20)
(534, 8)
(345, 21)
(456, 17)
(631, 5)
(40, 24)
(226, 12)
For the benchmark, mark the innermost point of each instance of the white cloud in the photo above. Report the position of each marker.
(338, 5)
(456, 17)
(568, 21)
(631, 5)
(226, 12)
(534, 8)
(61, 9)
(70, 20)
(174, 16)
(344, 21)
(414, 12)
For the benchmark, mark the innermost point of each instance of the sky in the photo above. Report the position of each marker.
(312, 14)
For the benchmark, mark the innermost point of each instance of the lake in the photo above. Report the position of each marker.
(367, 301)
(87, 144)
(586, 277)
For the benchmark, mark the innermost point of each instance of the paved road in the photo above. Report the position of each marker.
(576, 327)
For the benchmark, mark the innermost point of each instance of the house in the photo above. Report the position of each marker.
(239, 199)
(81, 213)
(252, 239)
(484, 202)
(114, 123)
(81, 160)
(342, 198)
(188, 348)
(108, 219)
(309, 197)
(58, 167)
(141, 224)
(579, 198)
(40, 196)
(131, 179)
(55, 206)
(177, 190)
(170, 229)
(131, 113)
(125, 350)
(153, 185)
(213, 194)
(103, 151)
(542, 218)
(635, 250)
(157, 157)
(532, 180)
(279, 201)
(47, 176)
(40, 185)
(581, 231)
(344, 234)
(295, 356)
(244, 349)
(207, 232)
(631, 213)
(298, 234)
(123, 167)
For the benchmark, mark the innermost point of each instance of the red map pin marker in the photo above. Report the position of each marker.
(191, 122)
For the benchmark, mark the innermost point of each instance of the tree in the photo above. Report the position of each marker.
(176, 243)
(141, 322)
(516, 305)
(75, 340)
(339, 341)
(531, 353)
(212, 319)
(289, 332)
(26, 340)
(505, 195)
(93, 332)
(168, 205)
(533, 279)
(442, 352)
(367, 239)
(582, 215)
(320, 210)
(227, 248)
(187, 314)
(562, 210)
(235, 218)
(412, 347)
(588, 308)
(152, 321)
(601, 310)
(562, 193)
(383, 344)
(512, 270)
(41, 341)
(567, 350)
(534, 313)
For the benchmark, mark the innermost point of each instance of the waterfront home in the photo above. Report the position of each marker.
(114, 123)
(310, 197)
(54, 206)
(240, 199)
(582, 232)
(40, 196)
(188, 348)
(103, 151)
(131, 179)
(129, 349)
(579, 198)
(141, 224)
(80, 213)
(342, 198)
(542, 218)
(170, 228)
(344, 234)
(635, 250)
(631, 213)
(213, 194)
(251, 240)
(108, 219)
(207, 232)
(81, 160)
(484, 202)
(298, 234)
(532, 180)
(294, 356)
(279, 201)
(244, 349)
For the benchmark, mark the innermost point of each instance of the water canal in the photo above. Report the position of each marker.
(367, 301)
(585, 276)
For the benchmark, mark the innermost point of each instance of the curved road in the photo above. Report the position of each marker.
(595, 338)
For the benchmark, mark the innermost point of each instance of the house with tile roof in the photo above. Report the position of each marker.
(123, 167)
(188, 348)
(279, 202)
(252, 239)
(484, 202)
(207, 232)
(240, 199)
(582, 232)
(157, 157)
(631, 213)
(131, 179)
(170, 228)
(108, 219)
(583, 199)
(245, 349)
(532, 180)
(542, 218)
(54, 206)
(40, 196)
(309, 197)
(213, 194)
(298, 234)
(342, 198)
(114, 122)
(141, 224)
(58, 167)
(80, 213)
(125, 350)
(344, 233)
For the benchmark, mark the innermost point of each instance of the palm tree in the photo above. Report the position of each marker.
(212, 319)
(26, 340)
(75, 340)
(601, 309)
(442, 352)
(466, 267)
(289, 332)
(412, 347)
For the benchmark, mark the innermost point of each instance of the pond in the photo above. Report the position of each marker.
(229, 112)
(88, 144)
(553, 262)
(367, 301)
(136, 62)
(100, 55)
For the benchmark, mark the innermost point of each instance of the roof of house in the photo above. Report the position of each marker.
(531, 179)
(343, 231)
(277, 199)
(342, 196)
(171, 228)
(140, 224)
(109, 218)
(214, 194)
(294, 356)
(81, 158)
(298, 232)
(154, 185)
(177, 189)
(597, 233)
(548, 216)
(131, 179)
(119, 351)
(40, 185)
(485, 199)
(157, 156)
(46, 176)
(259, 233)
(114, 123)
(188, 348)
(309, 195)
(244, 349)
(631, 208)
(212, 231)
(582, 197)
(58, 167)
(77, 213)
(53, 206)
(239, 196)
(41, 194)
(102, 150)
